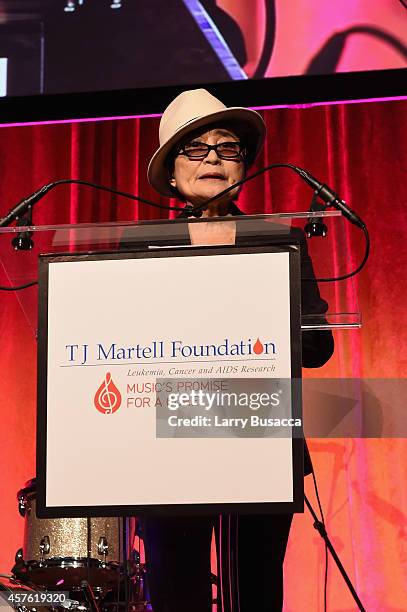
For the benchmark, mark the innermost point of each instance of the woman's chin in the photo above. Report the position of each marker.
(212, 191)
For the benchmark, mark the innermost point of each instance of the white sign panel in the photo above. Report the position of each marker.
(118, 326)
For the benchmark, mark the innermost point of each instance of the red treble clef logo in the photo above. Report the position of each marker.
(107, 398)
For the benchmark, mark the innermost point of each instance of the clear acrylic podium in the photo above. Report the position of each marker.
(20, 267)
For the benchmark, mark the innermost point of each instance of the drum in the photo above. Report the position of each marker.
(9, 587)
(55, 551)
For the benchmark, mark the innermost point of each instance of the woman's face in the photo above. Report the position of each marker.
(197, 180)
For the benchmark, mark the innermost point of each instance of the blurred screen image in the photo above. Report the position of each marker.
(65, 46)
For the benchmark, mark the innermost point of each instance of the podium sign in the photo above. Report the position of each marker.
(120, 336)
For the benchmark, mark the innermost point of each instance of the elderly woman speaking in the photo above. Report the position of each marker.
(205, 148)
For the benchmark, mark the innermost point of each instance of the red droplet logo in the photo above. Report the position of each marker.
(107, 398)
(258, 347)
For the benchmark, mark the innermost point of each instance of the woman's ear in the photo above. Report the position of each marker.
(173, 182)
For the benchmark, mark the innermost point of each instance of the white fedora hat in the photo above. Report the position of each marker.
(190, 111)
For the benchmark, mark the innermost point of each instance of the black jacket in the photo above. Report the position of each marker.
(317, 345)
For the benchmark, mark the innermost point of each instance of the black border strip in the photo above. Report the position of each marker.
(296, 374)
(168, 509)
(42, 366)
(303, 89)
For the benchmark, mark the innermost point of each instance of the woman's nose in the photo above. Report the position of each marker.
(212, 157)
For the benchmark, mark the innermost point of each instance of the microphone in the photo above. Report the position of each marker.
(28, 202)
(330, 197)
(19, 209)
(327, 195)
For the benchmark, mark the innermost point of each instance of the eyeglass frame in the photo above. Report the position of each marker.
(240, 154)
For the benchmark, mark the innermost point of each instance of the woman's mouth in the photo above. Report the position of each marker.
(212, 175)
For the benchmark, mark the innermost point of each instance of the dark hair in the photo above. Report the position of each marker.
(169, 164)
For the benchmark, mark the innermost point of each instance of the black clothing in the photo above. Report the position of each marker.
(178, 549)
(178, 562)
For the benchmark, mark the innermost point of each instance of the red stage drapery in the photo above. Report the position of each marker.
(359, 150)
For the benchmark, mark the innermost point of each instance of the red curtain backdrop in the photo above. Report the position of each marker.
(360, 151)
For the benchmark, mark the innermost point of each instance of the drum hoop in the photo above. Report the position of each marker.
(74, 562)
(29, 490)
